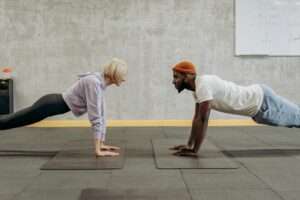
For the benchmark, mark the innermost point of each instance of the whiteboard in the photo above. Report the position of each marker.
(267, 27)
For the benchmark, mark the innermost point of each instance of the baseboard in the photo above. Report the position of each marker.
(144, 123)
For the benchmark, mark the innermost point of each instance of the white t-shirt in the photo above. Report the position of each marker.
(227, 96)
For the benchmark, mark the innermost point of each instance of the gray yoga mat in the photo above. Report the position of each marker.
(42, 147)
(78, 157)
(27, 153)
(209, 156)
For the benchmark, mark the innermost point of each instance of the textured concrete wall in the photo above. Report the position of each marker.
(48, 42)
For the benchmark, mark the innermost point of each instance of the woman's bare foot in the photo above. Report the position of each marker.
(106, 153)
(108, 147)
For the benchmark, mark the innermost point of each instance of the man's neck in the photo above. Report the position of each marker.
(191, 85)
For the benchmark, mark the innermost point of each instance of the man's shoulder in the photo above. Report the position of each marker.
(208, 76)
(206, 79)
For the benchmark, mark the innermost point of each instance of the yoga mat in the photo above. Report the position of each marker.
(209, 156)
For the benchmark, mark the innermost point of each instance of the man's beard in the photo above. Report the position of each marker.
(183, 86)
(180, 89)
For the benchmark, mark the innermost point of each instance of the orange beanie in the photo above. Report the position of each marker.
(185, 67)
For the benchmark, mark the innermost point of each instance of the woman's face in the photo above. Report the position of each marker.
(117, 81)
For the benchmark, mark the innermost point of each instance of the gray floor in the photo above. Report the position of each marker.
(268, 159)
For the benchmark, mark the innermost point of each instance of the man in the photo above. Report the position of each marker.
(259, 102)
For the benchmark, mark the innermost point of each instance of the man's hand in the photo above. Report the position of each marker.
(186, 152)
(108, 147)
(180, 147)
(106, 153)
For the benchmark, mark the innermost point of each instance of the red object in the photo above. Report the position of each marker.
(185, 67)
(7, 70)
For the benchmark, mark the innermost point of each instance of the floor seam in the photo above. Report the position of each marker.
(26, 187)
(185, 184)
(269, 187)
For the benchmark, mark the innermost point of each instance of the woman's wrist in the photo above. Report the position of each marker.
(98, 145)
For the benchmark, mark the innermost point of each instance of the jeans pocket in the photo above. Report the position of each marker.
(264, 107)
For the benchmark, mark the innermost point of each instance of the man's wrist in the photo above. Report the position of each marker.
(195, 150)
(190, 146)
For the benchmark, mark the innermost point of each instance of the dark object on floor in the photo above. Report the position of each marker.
(6, 96)
(96, 194)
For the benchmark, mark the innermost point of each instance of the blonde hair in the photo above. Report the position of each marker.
(116, 70)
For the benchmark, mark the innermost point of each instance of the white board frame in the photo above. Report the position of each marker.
(267, 27)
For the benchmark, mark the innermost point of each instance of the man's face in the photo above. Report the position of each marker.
(178, 81)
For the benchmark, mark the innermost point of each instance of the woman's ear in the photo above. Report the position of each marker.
(107, 80)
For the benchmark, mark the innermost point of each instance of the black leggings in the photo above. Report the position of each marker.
(48, 105)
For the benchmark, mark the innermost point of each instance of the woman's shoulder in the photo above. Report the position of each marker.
(91, 76)
(94, 79)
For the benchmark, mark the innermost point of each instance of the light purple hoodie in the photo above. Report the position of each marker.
(87, 95)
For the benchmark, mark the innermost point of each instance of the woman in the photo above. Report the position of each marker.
(86, 95)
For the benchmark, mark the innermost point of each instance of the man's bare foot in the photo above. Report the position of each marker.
(107, 153)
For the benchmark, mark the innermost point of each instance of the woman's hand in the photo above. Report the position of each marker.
(104, 150)
(108, 147)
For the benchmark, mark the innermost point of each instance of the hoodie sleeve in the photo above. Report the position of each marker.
(95, 107)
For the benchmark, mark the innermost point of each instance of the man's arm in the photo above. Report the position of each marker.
(193, 130)
(200, 123)
(190, 142)
(199, 127)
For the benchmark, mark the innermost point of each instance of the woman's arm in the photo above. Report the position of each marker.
(94, 100)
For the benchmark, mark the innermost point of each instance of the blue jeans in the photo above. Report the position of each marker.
(277, 111)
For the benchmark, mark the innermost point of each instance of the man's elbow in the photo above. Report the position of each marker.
(201, 119)
(198, 120)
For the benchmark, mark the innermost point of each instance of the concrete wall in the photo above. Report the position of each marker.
(48, 42)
